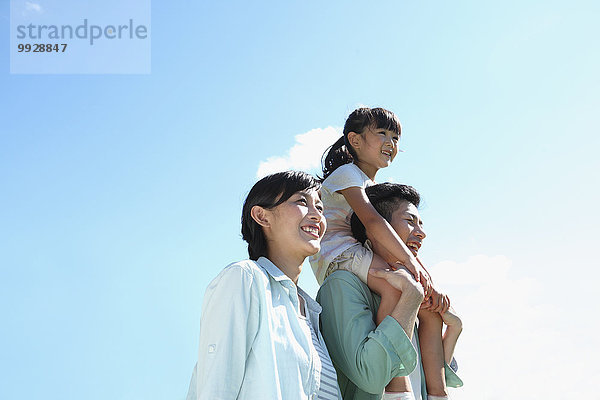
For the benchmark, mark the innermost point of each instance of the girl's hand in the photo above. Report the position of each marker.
(437, 302)
(425, 279)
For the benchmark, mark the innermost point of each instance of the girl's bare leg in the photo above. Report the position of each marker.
(389, 299)
(432, 352)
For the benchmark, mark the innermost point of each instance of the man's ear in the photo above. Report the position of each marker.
(355, 139)
(260, 215)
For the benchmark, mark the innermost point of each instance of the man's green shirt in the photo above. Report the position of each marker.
(366, 357)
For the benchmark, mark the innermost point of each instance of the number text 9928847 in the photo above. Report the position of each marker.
(41, 48)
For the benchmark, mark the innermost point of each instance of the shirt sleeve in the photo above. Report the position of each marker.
(452, 379)
(344, 177)
(228, 327)
(369, 355)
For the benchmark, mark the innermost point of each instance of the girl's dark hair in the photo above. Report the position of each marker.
(269, 192)
(341, 152)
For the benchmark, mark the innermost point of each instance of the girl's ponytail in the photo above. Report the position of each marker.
(335, 156)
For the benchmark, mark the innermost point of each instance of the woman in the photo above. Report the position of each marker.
(259, 336)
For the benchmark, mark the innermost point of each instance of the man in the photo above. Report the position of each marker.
(367, 356)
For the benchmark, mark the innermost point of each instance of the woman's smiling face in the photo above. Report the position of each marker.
(297, 224)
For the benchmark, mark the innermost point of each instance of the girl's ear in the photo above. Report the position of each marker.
(354, 139)
(260, 215)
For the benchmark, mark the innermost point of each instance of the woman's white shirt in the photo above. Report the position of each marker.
(253, 345)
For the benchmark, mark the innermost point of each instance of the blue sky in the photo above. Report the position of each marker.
(121, 194)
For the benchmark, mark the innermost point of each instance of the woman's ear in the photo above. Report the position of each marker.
(260, 215)
(354, 139)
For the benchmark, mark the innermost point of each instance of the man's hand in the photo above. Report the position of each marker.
(419, 273)
(412, 296)
(401, 279)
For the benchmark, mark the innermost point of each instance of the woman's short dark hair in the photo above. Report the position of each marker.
(385, 197)
(269, 192)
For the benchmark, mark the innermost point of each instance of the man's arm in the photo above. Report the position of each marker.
(406, 310)
(370, 356)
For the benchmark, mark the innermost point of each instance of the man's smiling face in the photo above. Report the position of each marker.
(407, 223)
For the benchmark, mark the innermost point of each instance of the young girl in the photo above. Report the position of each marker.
(369, 143)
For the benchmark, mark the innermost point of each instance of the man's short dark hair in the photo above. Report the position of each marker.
(385, 197)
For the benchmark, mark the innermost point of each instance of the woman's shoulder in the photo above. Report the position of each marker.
(244, 265)
(244, 271)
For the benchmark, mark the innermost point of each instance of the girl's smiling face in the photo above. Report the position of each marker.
(376, 148)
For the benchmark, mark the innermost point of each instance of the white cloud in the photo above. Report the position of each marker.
(304, 155)
(33, 7)
(517, 343)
